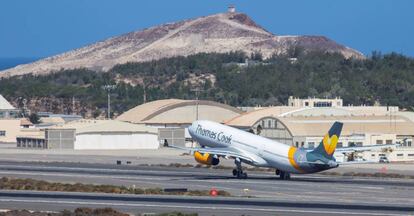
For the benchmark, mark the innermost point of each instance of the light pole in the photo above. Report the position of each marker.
(197, 91)
(108, 89)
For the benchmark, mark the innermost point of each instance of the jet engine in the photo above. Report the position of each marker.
(206, 159)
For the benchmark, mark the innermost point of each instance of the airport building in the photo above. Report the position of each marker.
(7, 111)
(10, 124)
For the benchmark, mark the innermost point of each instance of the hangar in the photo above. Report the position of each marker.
(110, 134)
(178, 113)
(92, 134)
(173, 116)
(304, 127)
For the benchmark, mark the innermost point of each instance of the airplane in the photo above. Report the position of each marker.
(218, 140)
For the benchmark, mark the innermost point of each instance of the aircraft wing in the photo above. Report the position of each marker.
(364, 148)
(224, 152)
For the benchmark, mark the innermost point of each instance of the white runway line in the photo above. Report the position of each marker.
(199, 207)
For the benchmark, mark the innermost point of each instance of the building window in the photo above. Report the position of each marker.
(339, 145)
(400, 155)
(410, 155)
(379, 142)
(311, 145)
(409, 143)
(297, 144)
(358, 144)
(322, 104)
(269, 124)
(388, 141)
(381, 155)
(2, 133)
(306, 103)
(372, 155)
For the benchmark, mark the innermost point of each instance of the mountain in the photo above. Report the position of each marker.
(219, 33)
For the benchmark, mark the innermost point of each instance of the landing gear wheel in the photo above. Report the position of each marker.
(238, 172)
(241, 175)
(277, 172)
(284, 175)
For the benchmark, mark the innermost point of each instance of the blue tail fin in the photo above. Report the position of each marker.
(328, 144)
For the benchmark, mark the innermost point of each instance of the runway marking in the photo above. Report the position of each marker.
(198, 207)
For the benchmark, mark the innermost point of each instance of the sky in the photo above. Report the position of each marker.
(43, 28)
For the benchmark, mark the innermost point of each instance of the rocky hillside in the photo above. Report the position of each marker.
(220, 33)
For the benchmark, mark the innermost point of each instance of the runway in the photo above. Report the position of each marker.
(262, 192)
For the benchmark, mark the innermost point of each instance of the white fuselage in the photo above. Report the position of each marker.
(265, 152)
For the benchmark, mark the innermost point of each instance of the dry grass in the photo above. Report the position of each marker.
(86, 212)
(39, 185)
(76, 212)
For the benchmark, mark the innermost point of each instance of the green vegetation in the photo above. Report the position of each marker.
(34, 118)
(32, 184)
(385, 79)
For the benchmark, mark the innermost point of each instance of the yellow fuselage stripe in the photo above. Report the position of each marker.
(291, 157)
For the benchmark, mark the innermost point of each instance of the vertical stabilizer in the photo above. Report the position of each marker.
(328, 144)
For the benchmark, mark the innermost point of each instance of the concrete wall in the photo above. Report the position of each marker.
(116, 141)
(174, 136)
(10, 128)
(60, 138)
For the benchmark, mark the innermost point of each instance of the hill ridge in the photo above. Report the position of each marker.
(219, 33)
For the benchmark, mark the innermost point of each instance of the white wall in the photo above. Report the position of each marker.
(116, 141)
(12, 128)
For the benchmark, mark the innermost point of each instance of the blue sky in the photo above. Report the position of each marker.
(42, 28)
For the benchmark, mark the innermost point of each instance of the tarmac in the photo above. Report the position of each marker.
(261, 194)
(163, 156)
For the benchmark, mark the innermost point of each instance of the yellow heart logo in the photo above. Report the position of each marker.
(329, 143)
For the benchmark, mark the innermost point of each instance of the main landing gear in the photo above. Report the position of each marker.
(238, 172)
(283, 175)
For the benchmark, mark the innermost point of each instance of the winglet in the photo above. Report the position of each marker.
(328, 144)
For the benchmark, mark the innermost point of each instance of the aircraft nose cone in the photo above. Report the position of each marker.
(192, 128)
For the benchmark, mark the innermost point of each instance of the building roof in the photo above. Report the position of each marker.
(52, 120)
(319, 126)
(108, 126)
(25, 121)
(5, 105)
(249, 118)
(176, 111)
(33, 133)
(317, 121)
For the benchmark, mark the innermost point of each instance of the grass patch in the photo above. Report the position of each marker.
(39, 185)
(87, 212)
(76, 212)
